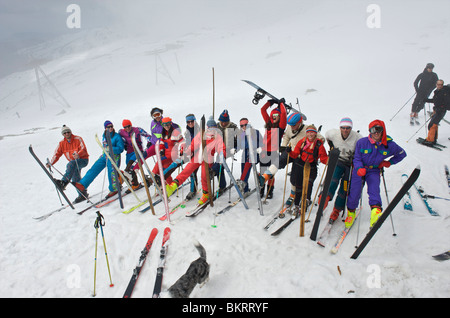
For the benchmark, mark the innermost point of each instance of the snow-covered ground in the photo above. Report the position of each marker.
(322, 53)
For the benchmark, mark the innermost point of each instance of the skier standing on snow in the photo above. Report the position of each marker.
(192, 129)
(126, 133)
(243, 144)
(344, 139)
(372, 153)
(441, 101)
(214, 144)
(295, 131)
(75, 151)
(102, 163)
(171, 136)
(424, 85)
(155, 126)
(275, 125)
(229, 132)
(309, 149)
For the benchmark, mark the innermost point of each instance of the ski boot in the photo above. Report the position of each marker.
(350, 218)
(335, 214)
(204, 199)
(170, 188)
(375, 215)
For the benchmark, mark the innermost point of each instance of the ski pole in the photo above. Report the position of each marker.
(403, 106)
(99, 222)
(419, 129)
(363, 181)
(217, 195)
(429, 196)
(387, 198)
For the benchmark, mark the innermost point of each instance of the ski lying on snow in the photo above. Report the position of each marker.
(141, 262)
(162, 262)
(344, 234)
(406, 186)
(425, 200)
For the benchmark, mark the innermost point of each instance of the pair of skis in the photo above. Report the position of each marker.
(160, 270)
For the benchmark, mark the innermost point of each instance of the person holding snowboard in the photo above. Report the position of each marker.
(102, 163)
(275, 124)
(309, 149)
(372, 153)
(441, 101)
(424, 85)
(75, 151)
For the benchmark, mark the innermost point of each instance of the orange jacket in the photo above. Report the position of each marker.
(67, 149)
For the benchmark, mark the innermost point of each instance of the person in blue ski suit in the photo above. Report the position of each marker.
(101, 163)
(372, 153)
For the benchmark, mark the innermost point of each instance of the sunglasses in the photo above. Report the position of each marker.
(166, 124)
(190, 122)
(346, 128)
(110, 126)
(128, 126)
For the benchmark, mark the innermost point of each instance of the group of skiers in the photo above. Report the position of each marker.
(425, 83)
(287, 140)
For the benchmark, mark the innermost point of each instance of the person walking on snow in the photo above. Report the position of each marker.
(275, 124)
(309, 149)
(102, 163)
(441, 101)
(75, 151)
(372, 153)
(214, 144)
(424, 85)
(344, 139)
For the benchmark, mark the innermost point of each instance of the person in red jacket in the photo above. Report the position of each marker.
(309, 149)
(275, 125)
(75, 151)
(214, 144)
(171, 137)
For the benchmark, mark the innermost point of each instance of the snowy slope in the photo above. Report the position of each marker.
(362, 73)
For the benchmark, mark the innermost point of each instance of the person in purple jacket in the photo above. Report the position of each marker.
(372, 153)
(126, 133)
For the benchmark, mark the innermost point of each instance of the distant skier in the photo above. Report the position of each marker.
(441, 100)
(102, 163)
(424, 85)
(75, 151)
(372, 153)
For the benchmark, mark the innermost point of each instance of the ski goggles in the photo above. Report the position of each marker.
(376, 129)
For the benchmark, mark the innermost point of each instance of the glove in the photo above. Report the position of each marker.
(232, 151)
(384, 164)
(361, 172)
(288, 149)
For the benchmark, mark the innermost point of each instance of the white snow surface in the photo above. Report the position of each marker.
(292, 49)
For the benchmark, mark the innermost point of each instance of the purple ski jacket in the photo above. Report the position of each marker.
(369, 154)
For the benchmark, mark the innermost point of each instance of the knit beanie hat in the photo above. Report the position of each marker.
(294, 118)
(166, 121)
(346, 122)
(65, 129)
(311, 128)
(224, 117)
(211, 122)
(107, 123)
(126, 122)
